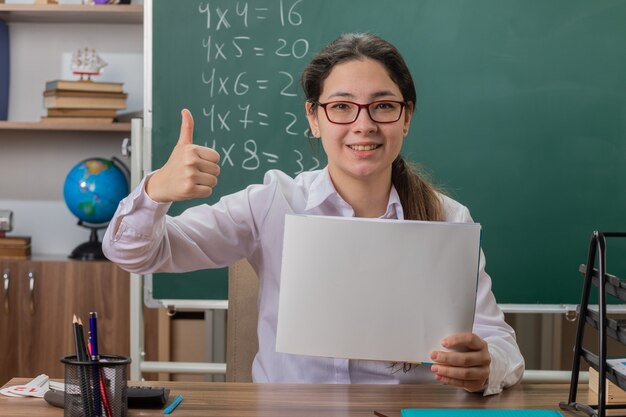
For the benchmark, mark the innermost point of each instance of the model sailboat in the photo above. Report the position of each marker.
(86, 62)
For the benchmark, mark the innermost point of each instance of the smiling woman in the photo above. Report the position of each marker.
(367, 66)
(360, 152)
(365, 177)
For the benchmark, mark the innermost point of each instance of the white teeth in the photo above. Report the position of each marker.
(363, 147)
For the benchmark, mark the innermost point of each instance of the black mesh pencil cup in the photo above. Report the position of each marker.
(96, 389)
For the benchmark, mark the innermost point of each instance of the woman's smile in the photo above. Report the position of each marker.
(370, 147)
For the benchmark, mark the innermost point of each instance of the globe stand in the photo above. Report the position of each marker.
(91, 250)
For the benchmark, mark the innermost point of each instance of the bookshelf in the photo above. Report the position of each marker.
(34, 161)
(35, 157)
(83, 127)
(65, 13)
(41, 38)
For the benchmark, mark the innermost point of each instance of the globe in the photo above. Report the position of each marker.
(92, 190)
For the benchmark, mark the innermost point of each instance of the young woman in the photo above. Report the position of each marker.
(359, 101)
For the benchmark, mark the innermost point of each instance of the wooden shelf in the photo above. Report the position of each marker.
(85, 127)
(69, 13)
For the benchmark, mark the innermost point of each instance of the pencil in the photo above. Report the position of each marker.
(84, 355)
(81, 356)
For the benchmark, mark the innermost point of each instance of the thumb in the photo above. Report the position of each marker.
(186, 128)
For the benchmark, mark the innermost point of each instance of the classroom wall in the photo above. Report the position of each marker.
(33, 165)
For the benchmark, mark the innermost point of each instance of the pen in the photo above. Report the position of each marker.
(106, 405)
(95, 357)
(173, 405)
(93, 334)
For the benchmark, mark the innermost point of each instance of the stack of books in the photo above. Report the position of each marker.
(15, 247)
(83, 101)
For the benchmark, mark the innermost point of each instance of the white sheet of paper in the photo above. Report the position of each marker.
(375, 289)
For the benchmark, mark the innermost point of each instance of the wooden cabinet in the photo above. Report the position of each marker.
(9, 294)
(39, 299)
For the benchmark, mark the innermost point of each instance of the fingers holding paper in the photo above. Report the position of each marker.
(190, 172)
(466, 366)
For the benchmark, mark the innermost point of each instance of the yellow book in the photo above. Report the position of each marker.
(11, 241)
(77, 119)
(69, 93)
(85, 86)
(64, 102)
(82, 112)
(16, 252)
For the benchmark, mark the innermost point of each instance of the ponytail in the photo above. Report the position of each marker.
(419, 198)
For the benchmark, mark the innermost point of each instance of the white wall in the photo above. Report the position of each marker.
(33, 164)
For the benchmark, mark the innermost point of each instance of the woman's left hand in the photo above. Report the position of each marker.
(467, 367)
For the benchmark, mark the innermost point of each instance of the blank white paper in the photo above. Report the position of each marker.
(375, 289)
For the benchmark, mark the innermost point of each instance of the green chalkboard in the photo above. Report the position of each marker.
(521, 114)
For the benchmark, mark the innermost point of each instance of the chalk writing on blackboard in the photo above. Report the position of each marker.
(233, 96)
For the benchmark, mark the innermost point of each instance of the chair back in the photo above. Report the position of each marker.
(242, 343)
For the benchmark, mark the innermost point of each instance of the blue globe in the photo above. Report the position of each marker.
(93, 189)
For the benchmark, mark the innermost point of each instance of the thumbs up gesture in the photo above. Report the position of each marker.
(190, 172)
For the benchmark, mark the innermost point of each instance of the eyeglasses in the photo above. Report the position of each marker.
(346, 112)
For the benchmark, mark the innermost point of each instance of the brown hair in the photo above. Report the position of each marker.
(419, 198)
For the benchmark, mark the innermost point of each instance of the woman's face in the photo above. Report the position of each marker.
(362, 150)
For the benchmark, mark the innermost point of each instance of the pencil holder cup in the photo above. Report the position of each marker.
(96, 389)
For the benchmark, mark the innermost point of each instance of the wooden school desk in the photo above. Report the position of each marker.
(282, 400)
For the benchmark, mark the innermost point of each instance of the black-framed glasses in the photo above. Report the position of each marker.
(346, 112)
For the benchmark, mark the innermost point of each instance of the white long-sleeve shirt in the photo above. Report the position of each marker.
(249, 224)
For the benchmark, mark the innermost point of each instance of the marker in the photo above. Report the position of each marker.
(173, 405)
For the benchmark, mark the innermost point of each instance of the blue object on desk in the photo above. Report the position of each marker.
(173, 405)
(4, 71)
(476, 412)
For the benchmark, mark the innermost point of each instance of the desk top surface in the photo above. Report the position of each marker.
(287, 400)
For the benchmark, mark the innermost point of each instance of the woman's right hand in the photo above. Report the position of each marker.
(190, 172)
